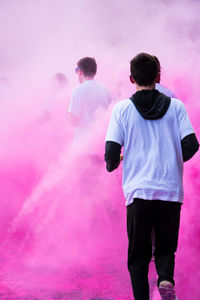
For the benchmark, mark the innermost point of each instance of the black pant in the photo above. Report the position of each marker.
(142, 217)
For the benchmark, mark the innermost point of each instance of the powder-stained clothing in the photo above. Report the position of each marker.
(153, 161)
(86, 99)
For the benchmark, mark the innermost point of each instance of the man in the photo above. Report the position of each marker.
(88, 96)
(157, 137)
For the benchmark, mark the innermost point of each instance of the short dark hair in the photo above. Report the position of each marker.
(157, 61)
(144, 69)
(88, 66)
(159, 69)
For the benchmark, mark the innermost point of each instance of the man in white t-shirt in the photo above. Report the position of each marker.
(88, 96)
(157, 136)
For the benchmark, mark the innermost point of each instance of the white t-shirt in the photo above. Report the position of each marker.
(85, 100)
(164, 90)
(153, 162)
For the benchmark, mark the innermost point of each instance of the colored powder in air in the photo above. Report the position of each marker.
(62, 216)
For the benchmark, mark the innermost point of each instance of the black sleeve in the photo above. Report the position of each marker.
(189, 146)
(112, 155)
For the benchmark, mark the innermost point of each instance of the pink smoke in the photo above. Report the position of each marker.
(62, 216)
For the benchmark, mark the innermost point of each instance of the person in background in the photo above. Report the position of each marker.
(161, 88)
(86, 99)
(5, 88)
(157, 137)
(55, 102)
(88, 96)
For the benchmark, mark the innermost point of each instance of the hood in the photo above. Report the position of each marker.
(151, 104)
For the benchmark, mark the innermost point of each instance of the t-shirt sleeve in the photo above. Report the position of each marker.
(115, 132)
(74, 106)
(185, 125)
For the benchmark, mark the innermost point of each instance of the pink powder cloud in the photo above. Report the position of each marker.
(62, 216)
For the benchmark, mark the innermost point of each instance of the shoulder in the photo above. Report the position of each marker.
(78, 89)
(99, 86)
(179, 108)
(78, 92)
(122, 107)
(177, 103)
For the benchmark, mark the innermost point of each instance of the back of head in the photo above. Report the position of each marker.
(60, 79)
(144, 69)
(88, 66)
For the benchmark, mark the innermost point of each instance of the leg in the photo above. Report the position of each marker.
(139, 228)
(166, 224)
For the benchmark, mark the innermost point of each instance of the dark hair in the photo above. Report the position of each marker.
(144, 69)
(159, 69)
(157, 61)
(60, 78)
(88, 66)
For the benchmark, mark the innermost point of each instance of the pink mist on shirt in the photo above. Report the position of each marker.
(62, 216)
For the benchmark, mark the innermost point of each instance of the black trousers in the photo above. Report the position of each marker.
(142, 217)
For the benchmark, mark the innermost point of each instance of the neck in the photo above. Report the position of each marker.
(85, 78)
(140, 87)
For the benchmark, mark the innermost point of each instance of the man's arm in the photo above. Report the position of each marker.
(112, 155)
(188, 138)
(74, 109)
(189, 146)
(114, 139)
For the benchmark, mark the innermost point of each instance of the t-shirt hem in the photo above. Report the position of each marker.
(128, 202)
(113, 140)
(187, 133)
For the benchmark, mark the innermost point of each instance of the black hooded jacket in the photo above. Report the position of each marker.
(152, 105)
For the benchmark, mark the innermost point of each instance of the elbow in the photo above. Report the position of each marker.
(197, 147)
(189, 155)
(190, 146)
(111, 166)
(112, 155)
